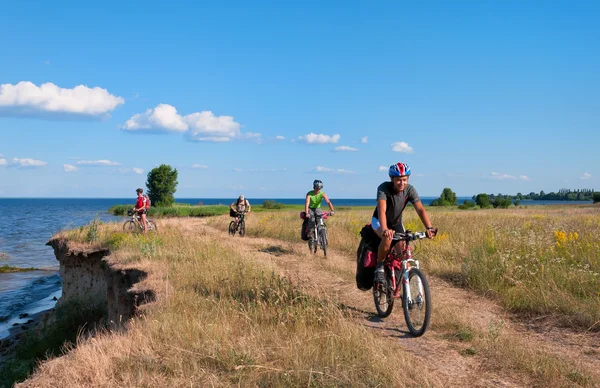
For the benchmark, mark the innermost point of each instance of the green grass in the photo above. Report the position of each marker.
(177, 210)
(187, 210)
(8, 269)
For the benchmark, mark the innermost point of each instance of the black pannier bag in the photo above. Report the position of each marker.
(366, 258)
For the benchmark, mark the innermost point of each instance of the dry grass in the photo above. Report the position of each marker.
(502, 348)
(224, 322)
(540, 260)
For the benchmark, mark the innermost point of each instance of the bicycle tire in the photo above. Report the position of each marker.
(418, 313)
(243, 228)
(232, 228)
(323, 240)
(152, 226)
(383, 292)
(129, 226)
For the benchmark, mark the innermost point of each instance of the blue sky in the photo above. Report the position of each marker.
(255, 97)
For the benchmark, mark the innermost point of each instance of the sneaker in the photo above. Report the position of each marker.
(380, 273)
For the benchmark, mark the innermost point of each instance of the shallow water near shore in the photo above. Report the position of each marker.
(26, 224)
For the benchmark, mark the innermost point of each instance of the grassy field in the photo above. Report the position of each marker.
(541, 260)
(222, 321)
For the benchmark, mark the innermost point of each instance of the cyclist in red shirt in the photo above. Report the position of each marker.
(140, 208)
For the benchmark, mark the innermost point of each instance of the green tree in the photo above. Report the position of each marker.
(448, 198)
(501, 202)
(467, 205)
(596, 197)
(483, 200)
(162, 184)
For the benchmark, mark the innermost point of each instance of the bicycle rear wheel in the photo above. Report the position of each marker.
(417, 311)
(232, 228)
(382, 295)
(129, 226)
(243, 228)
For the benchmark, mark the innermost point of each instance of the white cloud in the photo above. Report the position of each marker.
(345, 149)
(586, 175)
(199, 166)
(25, 98)
(3, 162)
(259, 169)
(383, 168)
(364, 139)
(199, 126)
(313, 138)
(69, 168)
(280, 137)
(524, 178)
(401, 146)
(332, 170)
(138, 170)
(499, 176)
(27, 163)
(204, 126)
(323, 169)
(162, 118)
(97, 163)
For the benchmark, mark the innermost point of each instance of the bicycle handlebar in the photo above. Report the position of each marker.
(411, 236)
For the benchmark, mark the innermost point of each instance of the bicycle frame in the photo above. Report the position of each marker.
(237, 222)
(318, 225)
(137, 219)
(404, 262)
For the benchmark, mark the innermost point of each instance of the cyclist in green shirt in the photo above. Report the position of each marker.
(312, 205)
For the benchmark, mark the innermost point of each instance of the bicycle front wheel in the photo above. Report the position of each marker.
(382, 295)
(152, 227)
(129, 226)
(416, 303)
(243, 228)
(232, 228)
(323, 240)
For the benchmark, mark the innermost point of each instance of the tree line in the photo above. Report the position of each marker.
(483, 200)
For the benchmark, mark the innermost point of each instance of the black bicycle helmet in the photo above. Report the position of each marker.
(317, 184)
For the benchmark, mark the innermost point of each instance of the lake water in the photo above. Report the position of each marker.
(26, 224)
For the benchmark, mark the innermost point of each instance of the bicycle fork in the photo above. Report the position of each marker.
(406, 266)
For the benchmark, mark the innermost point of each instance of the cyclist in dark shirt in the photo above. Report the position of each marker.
(392, 198)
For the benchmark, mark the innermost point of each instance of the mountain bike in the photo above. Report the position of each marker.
(402, 270)
(135, 223)
(240, 225)
(318, 235)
